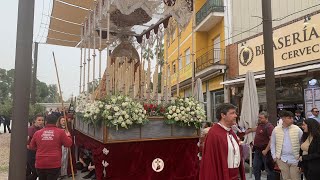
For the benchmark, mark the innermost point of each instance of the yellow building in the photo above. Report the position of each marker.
(207, 39)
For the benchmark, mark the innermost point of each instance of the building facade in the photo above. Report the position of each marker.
(296, 62)
(201, 42)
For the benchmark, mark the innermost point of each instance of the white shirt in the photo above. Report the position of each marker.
(233, 150)
(314, 117)
(279, 123)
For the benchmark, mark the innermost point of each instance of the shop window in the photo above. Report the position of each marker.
(217, 99)
(205, 100)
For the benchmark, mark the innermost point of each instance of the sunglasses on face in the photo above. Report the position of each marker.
(316, 111)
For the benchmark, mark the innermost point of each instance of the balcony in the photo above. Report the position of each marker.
(209, 15)
(213, 59)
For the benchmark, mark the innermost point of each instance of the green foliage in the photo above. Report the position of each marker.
(35, 110)
(53, 96)
(6, 108)
(44, 93)
(6, 84)
(148, 53)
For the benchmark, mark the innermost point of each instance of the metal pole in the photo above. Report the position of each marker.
(34, 74)
(100, 37)
(80, 70)
(193, 46)
(166, 69)
(269, 60)
(21, 97)
(94, 48)
(89, 59)
(178, 64)
(84, 68)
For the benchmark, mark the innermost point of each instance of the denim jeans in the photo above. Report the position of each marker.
(259, 161)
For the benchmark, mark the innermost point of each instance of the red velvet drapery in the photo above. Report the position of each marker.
(133, 160)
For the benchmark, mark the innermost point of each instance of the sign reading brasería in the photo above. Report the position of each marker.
(295, 43)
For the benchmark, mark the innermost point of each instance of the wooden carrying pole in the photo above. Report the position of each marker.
(64, 112)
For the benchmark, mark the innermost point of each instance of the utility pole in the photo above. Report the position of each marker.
(34, 73)
(21, 96)
(269, 61)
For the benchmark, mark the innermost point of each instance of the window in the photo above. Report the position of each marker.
(187, 52)
(187, 93)
(216, 50)
(217, 98)
(180, 62)
(174, 67)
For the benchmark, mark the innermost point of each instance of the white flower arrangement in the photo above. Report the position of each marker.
(122, 111)
(93, 112)
(185, 111)
(81, 103)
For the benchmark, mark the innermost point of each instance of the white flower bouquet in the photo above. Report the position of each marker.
(185, 112)
(122, 111)
(93, 112)
(81, 103)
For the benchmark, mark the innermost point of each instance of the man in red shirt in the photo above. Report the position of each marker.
(262, 154)
(31, 154)
(48, 142)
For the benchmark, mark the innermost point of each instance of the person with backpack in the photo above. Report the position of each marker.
(262, 155)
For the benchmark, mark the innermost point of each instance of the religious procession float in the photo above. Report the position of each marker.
(128, 117)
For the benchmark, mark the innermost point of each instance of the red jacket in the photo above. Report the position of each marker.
(48, 142)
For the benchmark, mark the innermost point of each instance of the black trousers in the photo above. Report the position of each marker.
(31, 170)
(48, 174)
(6, 125)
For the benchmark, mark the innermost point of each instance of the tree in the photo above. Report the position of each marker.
(6, 84)
(44, 93)
(34, 110)
(160, 58)
(53, 96)
(148, 53)
(6, 108)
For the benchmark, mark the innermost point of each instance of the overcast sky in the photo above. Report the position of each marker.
(67, 58)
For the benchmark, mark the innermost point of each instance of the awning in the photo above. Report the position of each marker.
(65, 21)
(280, 72)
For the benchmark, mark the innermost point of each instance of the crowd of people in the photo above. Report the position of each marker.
(50, 149)
(292, 147)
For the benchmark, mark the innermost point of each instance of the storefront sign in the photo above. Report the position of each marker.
(295, 43)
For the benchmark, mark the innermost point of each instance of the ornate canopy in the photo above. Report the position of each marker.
(78, 23)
